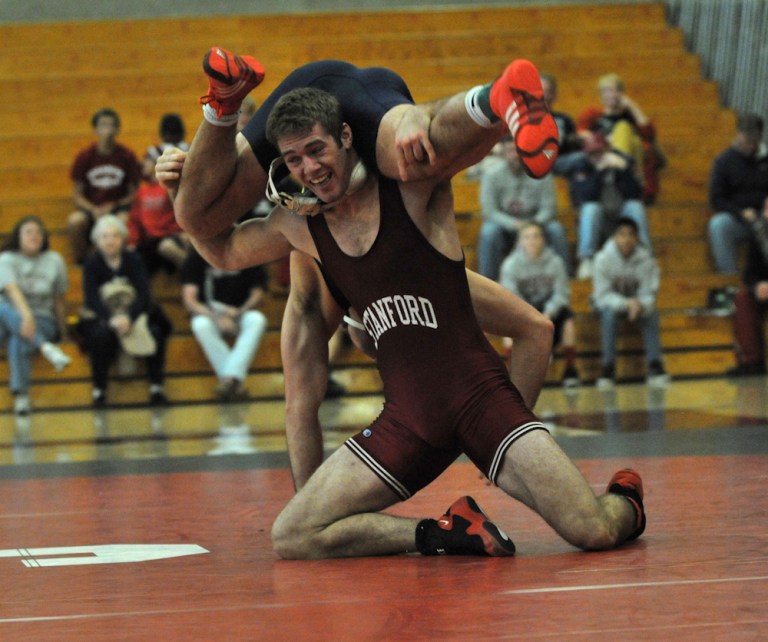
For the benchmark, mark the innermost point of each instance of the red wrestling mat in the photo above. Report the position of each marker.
(188, 557)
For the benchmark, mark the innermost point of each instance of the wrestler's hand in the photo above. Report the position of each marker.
(412, 141)
(168, 169)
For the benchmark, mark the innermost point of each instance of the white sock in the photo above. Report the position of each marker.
(227, 120)
(55, 355)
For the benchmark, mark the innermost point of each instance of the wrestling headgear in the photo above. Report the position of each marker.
(305, 203)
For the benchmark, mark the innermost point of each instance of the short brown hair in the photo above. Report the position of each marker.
(298, 111)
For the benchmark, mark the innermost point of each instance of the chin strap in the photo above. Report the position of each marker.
(305, 203)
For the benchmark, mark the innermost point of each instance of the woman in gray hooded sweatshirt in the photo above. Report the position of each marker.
(535, 273)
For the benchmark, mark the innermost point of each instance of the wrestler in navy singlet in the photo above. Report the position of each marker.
(446, 389)
(365, 95)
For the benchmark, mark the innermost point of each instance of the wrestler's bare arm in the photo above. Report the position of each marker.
(500, 312)
(310, 319)
(256, 241)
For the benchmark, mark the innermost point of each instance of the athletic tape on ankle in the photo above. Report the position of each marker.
(473, 108)
(227, 120)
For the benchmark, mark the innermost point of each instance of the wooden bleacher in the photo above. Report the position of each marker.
(60, 73)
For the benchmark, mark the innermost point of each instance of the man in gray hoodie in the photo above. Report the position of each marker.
(625, 283)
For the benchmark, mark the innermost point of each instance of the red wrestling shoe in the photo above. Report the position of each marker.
(463, 530)
(628, 484)
(230, 79)
(518, 99)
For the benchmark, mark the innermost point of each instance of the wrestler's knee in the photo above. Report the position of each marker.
(292, 539)
(287, 538)
(593, 535)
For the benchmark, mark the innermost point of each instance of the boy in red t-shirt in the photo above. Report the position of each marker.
(105, 176)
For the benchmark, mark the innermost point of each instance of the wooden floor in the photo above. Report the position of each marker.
(137, 525)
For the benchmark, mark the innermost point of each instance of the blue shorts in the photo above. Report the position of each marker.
(365, 94)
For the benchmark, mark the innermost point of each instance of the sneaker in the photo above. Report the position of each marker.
(628, 483)
(55, 355)
(230, 79)
(746, 370)
(334, 389)
(231, 390)
(21, 405)
(571, 377)
(657, 376)
(585, 270)
(606, 380)
(157, 396)
(464, 529)
(98, 398)
(518, 99)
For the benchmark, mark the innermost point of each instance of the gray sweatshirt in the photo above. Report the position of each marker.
(542, 282)
(617, 279)
(499, 187)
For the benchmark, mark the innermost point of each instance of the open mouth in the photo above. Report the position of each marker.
(320, 182)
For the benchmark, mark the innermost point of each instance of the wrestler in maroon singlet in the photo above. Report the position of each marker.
(446, 389)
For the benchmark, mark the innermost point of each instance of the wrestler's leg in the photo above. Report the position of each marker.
(537, 472)
(336, 514)
(457, 141)
(221, 179)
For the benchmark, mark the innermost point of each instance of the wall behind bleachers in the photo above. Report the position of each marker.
(52, 10)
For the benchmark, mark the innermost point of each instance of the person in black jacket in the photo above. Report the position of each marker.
(119, 311)
(738, 188)
(603, 187)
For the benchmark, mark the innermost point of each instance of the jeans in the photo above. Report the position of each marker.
(592, 224)
(20, 350)
(230, 362)
(726, 232)
(610, 322)
(495, 243)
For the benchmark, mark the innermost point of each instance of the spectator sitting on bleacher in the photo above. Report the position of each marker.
(119, 312)
(629, 130)
(172, 133)
(153, 231)
(604, 188)
(538, 276)
(509, 198)
(738, 185)
(224, 307)
(152, 228)
(33, 281)
(625, 285)
(105, 175)
(751, 302)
